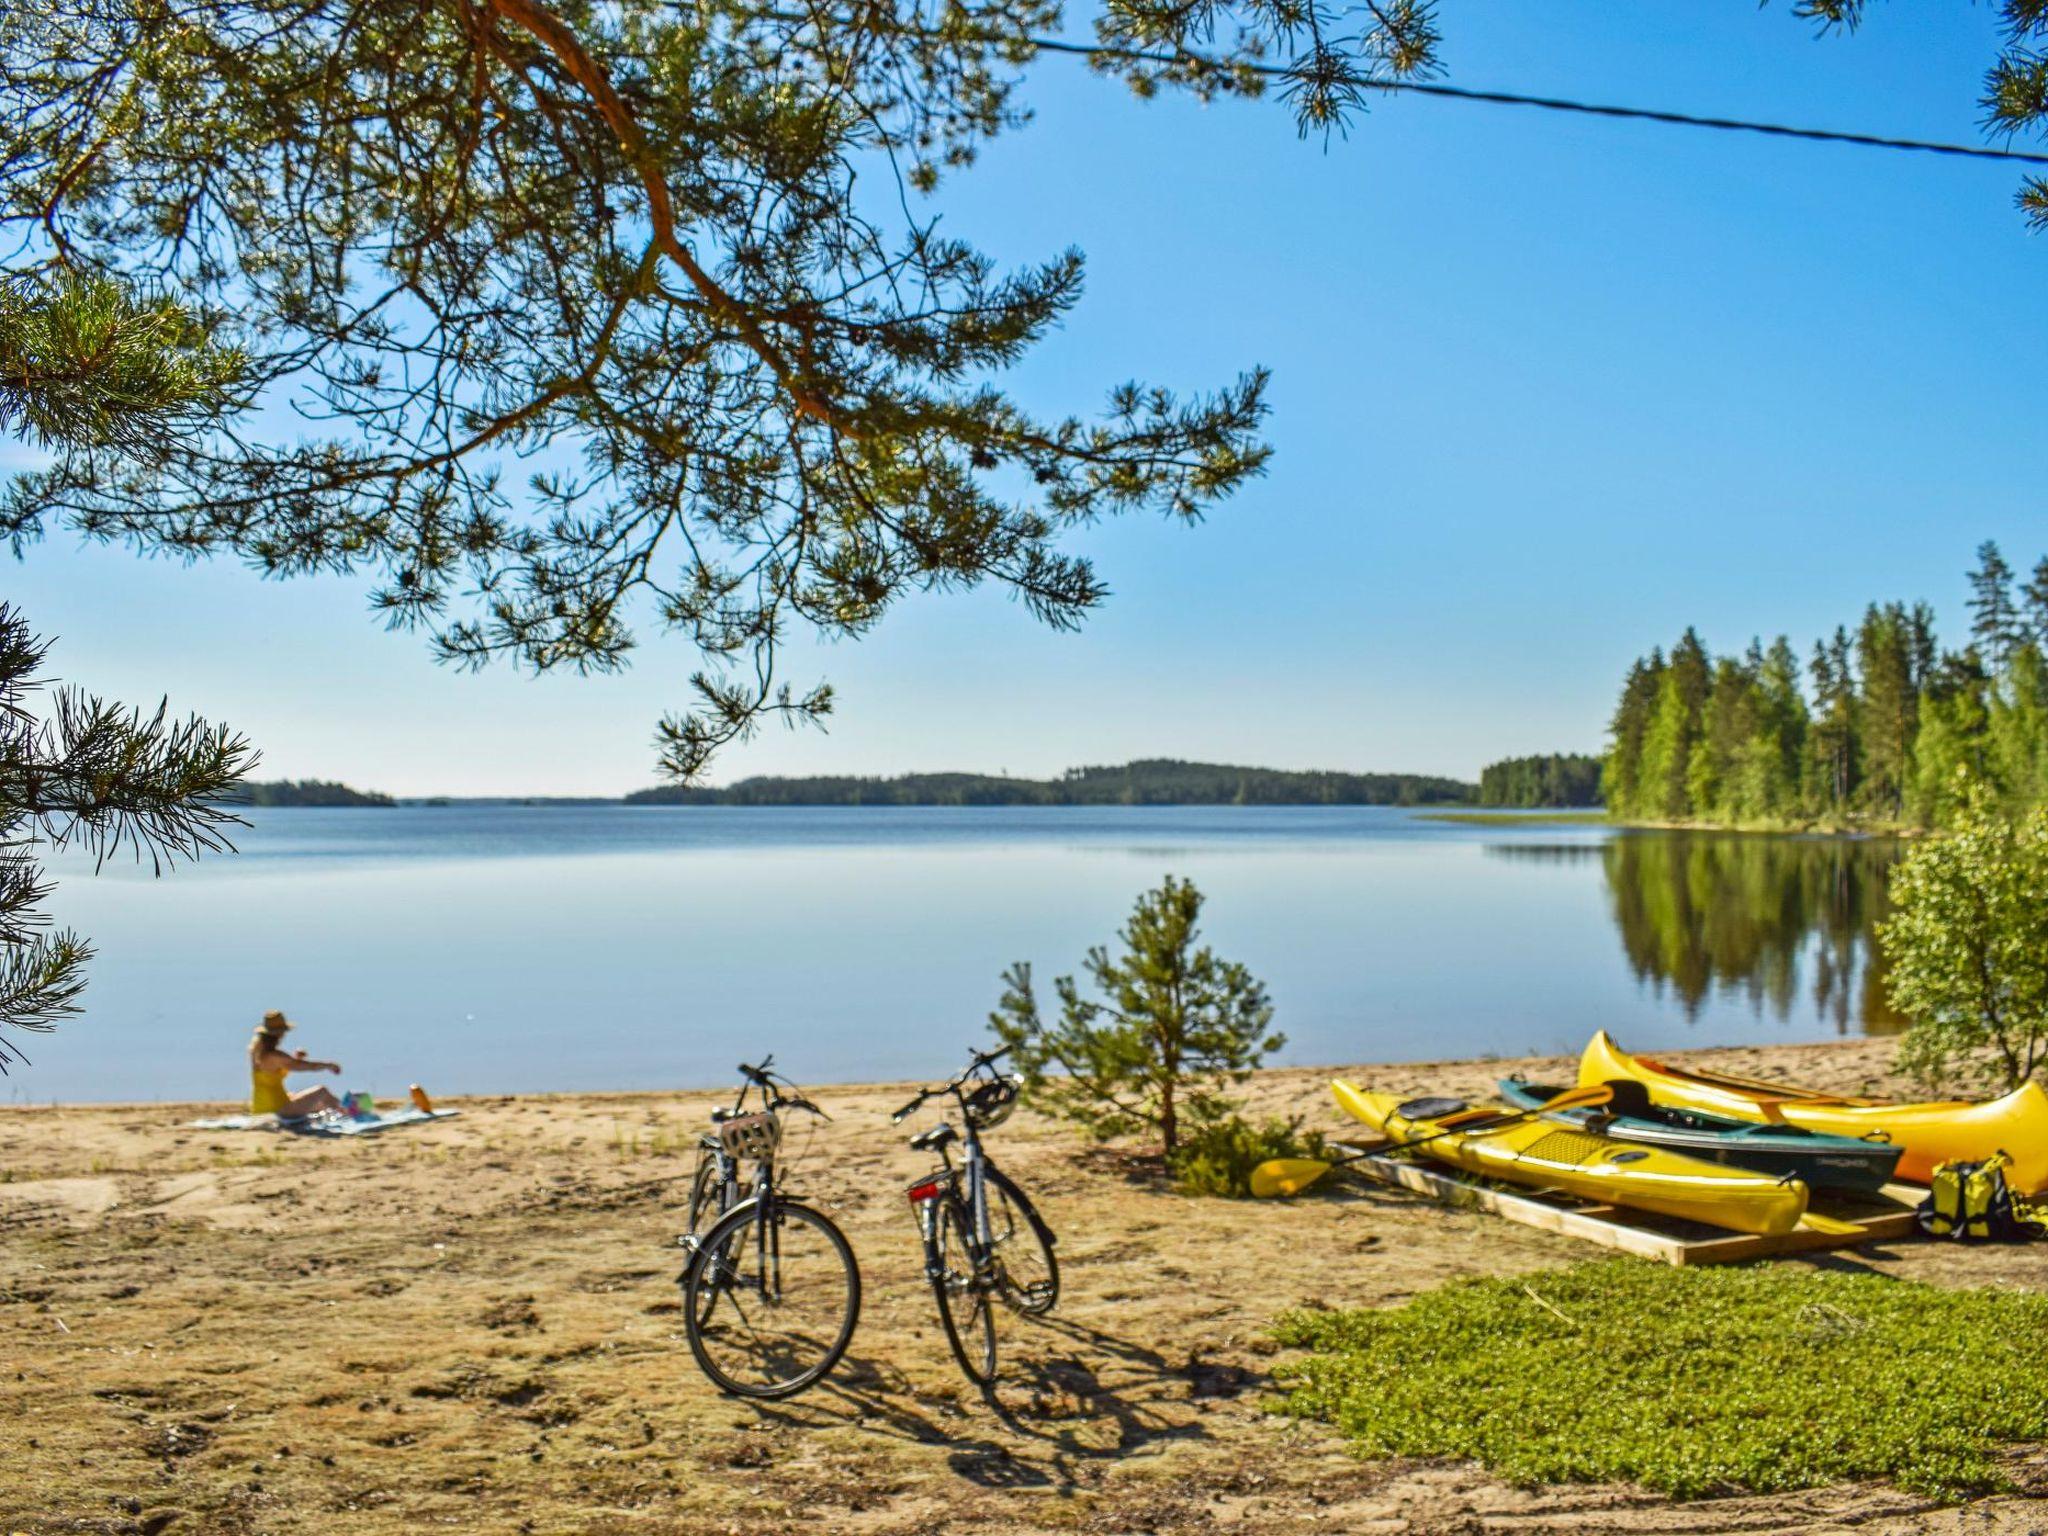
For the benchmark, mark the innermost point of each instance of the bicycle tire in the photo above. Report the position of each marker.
(1034, 1298)
(735, 1229)
(949, 1263)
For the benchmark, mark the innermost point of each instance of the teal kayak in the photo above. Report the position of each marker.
(1817, 1160)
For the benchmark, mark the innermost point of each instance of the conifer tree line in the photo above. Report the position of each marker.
(1553, 779)
(1873, 729)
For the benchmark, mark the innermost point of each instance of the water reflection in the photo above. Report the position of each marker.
(1787, 923)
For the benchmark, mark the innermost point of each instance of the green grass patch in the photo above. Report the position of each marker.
(1520, 818)
(1693, 1382)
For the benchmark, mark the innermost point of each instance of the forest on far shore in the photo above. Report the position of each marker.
(1555, 779)
(307, 792)
(1155, 781)
(1871, 732)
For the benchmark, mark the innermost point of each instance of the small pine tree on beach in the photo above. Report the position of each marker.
(1175, 1026)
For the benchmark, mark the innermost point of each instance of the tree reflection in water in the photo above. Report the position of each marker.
(1701, 911)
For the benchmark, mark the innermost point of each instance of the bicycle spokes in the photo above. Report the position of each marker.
(772, 1300)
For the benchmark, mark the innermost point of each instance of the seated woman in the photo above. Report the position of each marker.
(268, 1063)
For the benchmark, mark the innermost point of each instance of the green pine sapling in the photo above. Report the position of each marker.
(1174, 1027)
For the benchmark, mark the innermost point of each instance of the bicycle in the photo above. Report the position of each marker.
(771, 1292)
(983, 1240)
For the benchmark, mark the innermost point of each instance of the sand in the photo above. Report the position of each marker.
(473, 1326)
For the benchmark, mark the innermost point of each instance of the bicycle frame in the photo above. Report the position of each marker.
(767, 1239)
(974, 1163)
(973, 1171)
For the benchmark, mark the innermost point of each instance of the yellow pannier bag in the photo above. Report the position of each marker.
(1971, 1201)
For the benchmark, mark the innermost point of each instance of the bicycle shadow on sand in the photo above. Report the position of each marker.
(1102, 1398)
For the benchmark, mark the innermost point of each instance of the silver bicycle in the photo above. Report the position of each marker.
(984, 1242)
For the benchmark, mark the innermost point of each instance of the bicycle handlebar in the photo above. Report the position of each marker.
(980, 1059)
(798, 1101)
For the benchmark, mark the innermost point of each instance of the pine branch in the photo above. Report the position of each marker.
(86, 364)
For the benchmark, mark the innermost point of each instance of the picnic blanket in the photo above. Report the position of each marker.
(323, 1125)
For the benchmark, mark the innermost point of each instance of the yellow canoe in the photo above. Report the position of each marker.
(1930, 1133)
(1592, 1167)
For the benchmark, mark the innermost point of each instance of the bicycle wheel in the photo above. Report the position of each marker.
(768, 1311)
(1025, 1266)
(966, 1302)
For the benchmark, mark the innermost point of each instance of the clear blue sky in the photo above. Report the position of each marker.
(1546, 390)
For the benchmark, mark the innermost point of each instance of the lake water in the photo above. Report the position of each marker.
(489, 948)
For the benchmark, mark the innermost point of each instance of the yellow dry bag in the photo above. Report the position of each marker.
(1972, 1201)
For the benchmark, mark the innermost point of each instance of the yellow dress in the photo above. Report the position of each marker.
(266, 1092)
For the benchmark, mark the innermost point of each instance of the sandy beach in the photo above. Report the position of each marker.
(473, 1325)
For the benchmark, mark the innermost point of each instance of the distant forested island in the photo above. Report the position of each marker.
(309, 792)
(1157, 781)
(1558, 779)
(1872, 736)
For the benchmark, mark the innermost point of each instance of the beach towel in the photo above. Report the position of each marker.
(322, 1125)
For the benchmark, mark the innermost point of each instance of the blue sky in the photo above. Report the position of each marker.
(1546, 390)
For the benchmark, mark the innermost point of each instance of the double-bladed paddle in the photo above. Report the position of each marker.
(1291, 1175)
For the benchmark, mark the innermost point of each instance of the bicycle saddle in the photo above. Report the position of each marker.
(933, 1139)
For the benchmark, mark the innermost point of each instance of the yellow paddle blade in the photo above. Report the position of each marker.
(1814, 1222)
(1286, 1176)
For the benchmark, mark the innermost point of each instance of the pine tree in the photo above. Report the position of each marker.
(593, 320)
(1780, 744)
(1952, 744)
(1994, 619)
(1174, 1028)
(2035, 598)
(1674, 730)
(2016, 735)
(1887, 646)
(1713, 776)
(1667, 754)
(1621, 773)
(1832, 748)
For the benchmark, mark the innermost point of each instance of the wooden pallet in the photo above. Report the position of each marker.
(1875, 1219)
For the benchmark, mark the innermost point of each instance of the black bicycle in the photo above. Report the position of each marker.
(770, 1291)
(984, 1242)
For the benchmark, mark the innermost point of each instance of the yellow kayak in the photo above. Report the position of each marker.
(1930, 1133)
(1592, 1167)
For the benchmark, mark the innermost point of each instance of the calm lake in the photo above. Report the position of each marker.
(502, 948)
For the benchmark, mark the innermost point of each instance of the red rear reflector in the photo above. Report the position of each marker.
(928, 1190)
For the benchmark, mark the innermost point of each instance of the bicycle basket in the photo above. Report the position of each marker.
(991, 1103)
(752, 1137)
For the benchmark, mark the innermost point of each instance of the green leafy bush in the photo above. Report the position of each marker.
(1219, 1156)
(1693, 1382)
(1967, 946)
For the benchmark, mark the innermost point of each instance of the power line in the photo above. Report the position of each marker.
(1563, 104)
